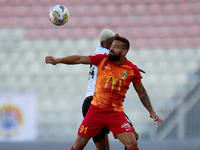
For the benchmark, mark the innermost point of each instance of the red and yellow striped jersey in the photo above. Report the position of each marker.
(113, 82)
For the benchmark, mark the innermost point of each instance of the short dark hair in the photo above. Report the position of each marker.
(124, 41)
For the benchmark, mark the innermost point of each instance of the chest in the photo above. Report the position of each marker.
(110, 73)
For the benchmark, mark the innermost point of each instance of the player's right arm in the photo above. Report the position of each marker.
(69, 60)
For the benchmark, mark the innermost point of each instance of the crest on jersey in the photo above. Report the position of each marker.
(124, 75)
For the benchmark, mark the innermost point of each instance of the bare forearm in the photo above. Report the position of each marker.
(146, 101)
(74, 59)
(144, 97)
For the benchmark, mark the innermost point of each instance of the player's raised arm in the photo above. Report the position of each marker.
(69, 60)
(146, 101)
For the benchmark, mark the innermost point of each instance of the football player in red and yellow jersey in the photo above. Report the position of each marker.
(115, 73)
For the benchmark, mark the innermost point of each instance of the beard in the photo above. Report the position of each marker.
(114, 57)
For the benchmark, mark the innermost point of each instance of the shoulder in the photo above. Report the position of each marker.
(136, 73)
(96, 59)
(133, 66)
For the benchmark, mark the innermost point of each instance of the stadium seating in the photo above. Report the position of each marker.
(133, 15)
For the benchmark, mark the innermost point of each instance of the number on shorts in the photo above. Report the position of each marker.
(83, 128)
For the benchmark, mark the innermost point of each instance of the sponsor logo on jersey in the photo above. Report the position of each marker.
(113, 84)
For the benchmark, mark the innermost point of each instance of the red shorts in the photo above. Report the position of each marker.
(97, 118)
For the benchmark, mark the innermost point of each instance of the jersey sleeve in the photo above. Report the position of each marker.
(96, 59)
(137, 76)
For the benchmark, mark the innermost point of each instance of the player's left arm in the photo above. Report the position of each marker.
(146, 101)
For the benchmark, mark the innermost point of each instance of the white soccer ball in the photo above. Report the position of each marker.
(59, 15)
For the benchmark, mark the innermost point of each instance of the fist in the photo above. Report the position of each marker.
(51, 60)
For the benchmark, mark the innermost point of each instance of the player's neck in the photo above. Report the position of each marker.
(119, 62)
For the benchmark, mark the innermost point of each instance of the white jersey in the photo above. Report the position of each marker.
(93, 72)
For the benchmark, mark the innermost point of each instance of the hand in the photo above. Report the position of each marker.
(156, 118)
(51, 60)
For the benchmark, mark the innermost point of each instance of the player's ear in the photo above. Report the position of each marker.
(125, 52)
(102, 44)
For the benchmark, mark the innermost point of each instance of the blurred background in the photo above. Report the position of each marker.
(41, 104)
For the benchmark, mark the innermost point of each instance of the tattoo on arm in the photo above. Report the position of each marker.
(141, 88)
(146, 101)
(144, 96)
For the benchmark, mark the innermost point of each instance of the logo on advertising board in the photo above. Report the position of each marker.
(10, 120)
(18, 116)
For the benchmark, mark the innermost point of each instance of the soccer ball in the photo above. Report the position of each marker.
(58, 15)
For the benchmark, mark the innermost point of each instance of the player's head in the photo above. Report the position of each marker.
(126, 44)
(119, 48)
(106, 37)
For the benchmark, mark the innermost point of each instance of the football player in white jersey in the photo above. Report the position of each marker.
(101, 139)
